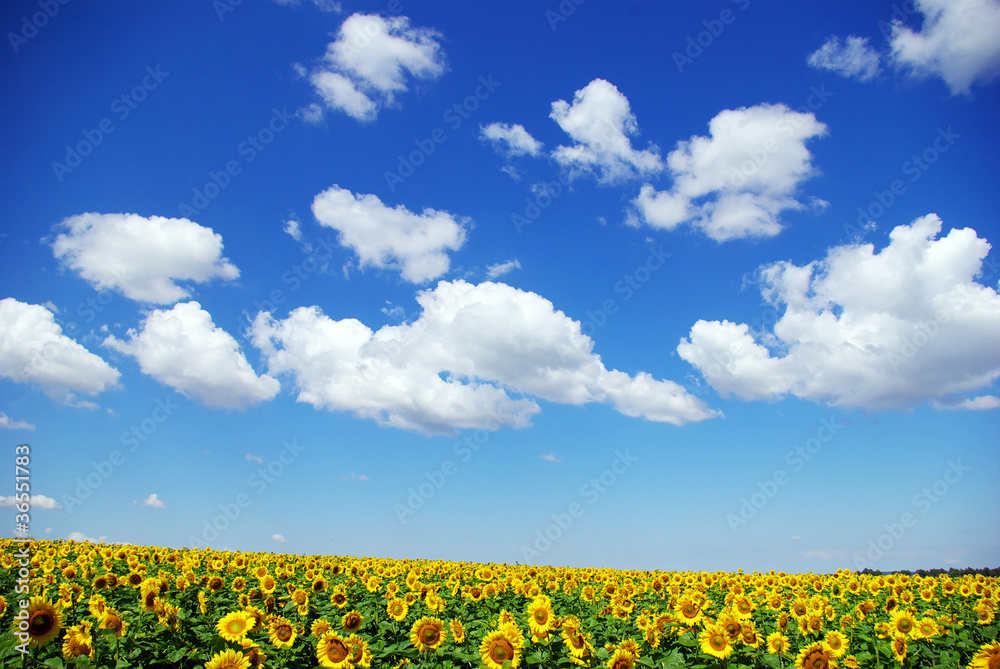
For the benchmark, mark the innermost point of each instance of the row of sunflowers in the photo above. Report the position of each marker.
(97, 605)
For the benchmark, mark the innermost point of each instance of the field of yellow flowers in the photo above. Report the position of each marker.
(96, 605)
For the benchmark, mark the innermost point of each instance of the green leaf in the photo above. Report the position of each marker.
(55, 663)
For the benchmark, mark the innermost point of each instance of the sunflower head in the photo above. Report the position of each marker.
(352, 621)
(333, 651)
(816, 656)
(44, 621)
(715, 641)
(228, 659)
(427, 634)
(234, 626)
(496, 649)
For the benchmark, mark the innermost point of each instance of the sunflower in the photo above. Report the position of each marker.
(457, 631)
(268, 584)
(320, 627)
(281, 632)
(44, 621)
(540, 618)
(361, 655)
(777, 643)
(837, 642)
(255, 655)
(338, 599)
(926, 629)
(234, 626)
(987, 657)
(333, 651)
(228, 659)
(427, 634)
(621, 659)
(688, 611)
(730, 624)
(903, 623)
(851, 662)
(816, 656)
(715, 641)
(78, 641)
(112, 620)
(898, 647)
(496, 649)
(742, 607)
(576, 643)
(352, 622)
(397, 609)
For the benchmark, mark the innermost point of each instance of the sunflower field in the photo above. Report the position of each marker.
(67, 604)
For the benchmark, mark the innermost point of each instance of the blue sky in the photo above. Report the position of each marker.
(641, 285)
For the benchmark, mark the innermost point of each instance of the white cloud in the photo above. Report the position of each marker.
(981, 403)
(600, 121)
(736, 182)
(499, 269)
(182, 348)
(391, 238)
(8, 424)
(293, 229)
(48, 530)
(510, 140)
(957, 42)
(369, 62)
(892, 329)
(852, 58)
(474, 358)
(142, 257)
(35, 501)
(279, 538)
(550, 457)
(34, 350)
(255, 458)
(81, 537)
(154, 501)
(355, 477)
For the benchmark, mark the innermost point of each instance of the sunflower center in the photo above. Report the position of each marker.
(816, 660)
(501, 651)
(541, 616)
(284, 632)
(336, 651)
(41, 622)
(717, 641)
(235, 626)
(430, 635)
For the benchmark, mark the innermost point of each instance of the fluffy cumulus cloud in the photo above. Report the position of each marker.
(369, 63)
(893, 329)
(510, 140)
(391, 238)
(142, 257)
(181, 347)
(34, 350)
(852, 58)
(36, 502)
(736, 182)
(957, 42)
(476, 357)
(601, 122)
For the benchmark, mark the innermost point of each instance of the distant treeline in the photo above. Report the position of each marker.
(985, 571)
